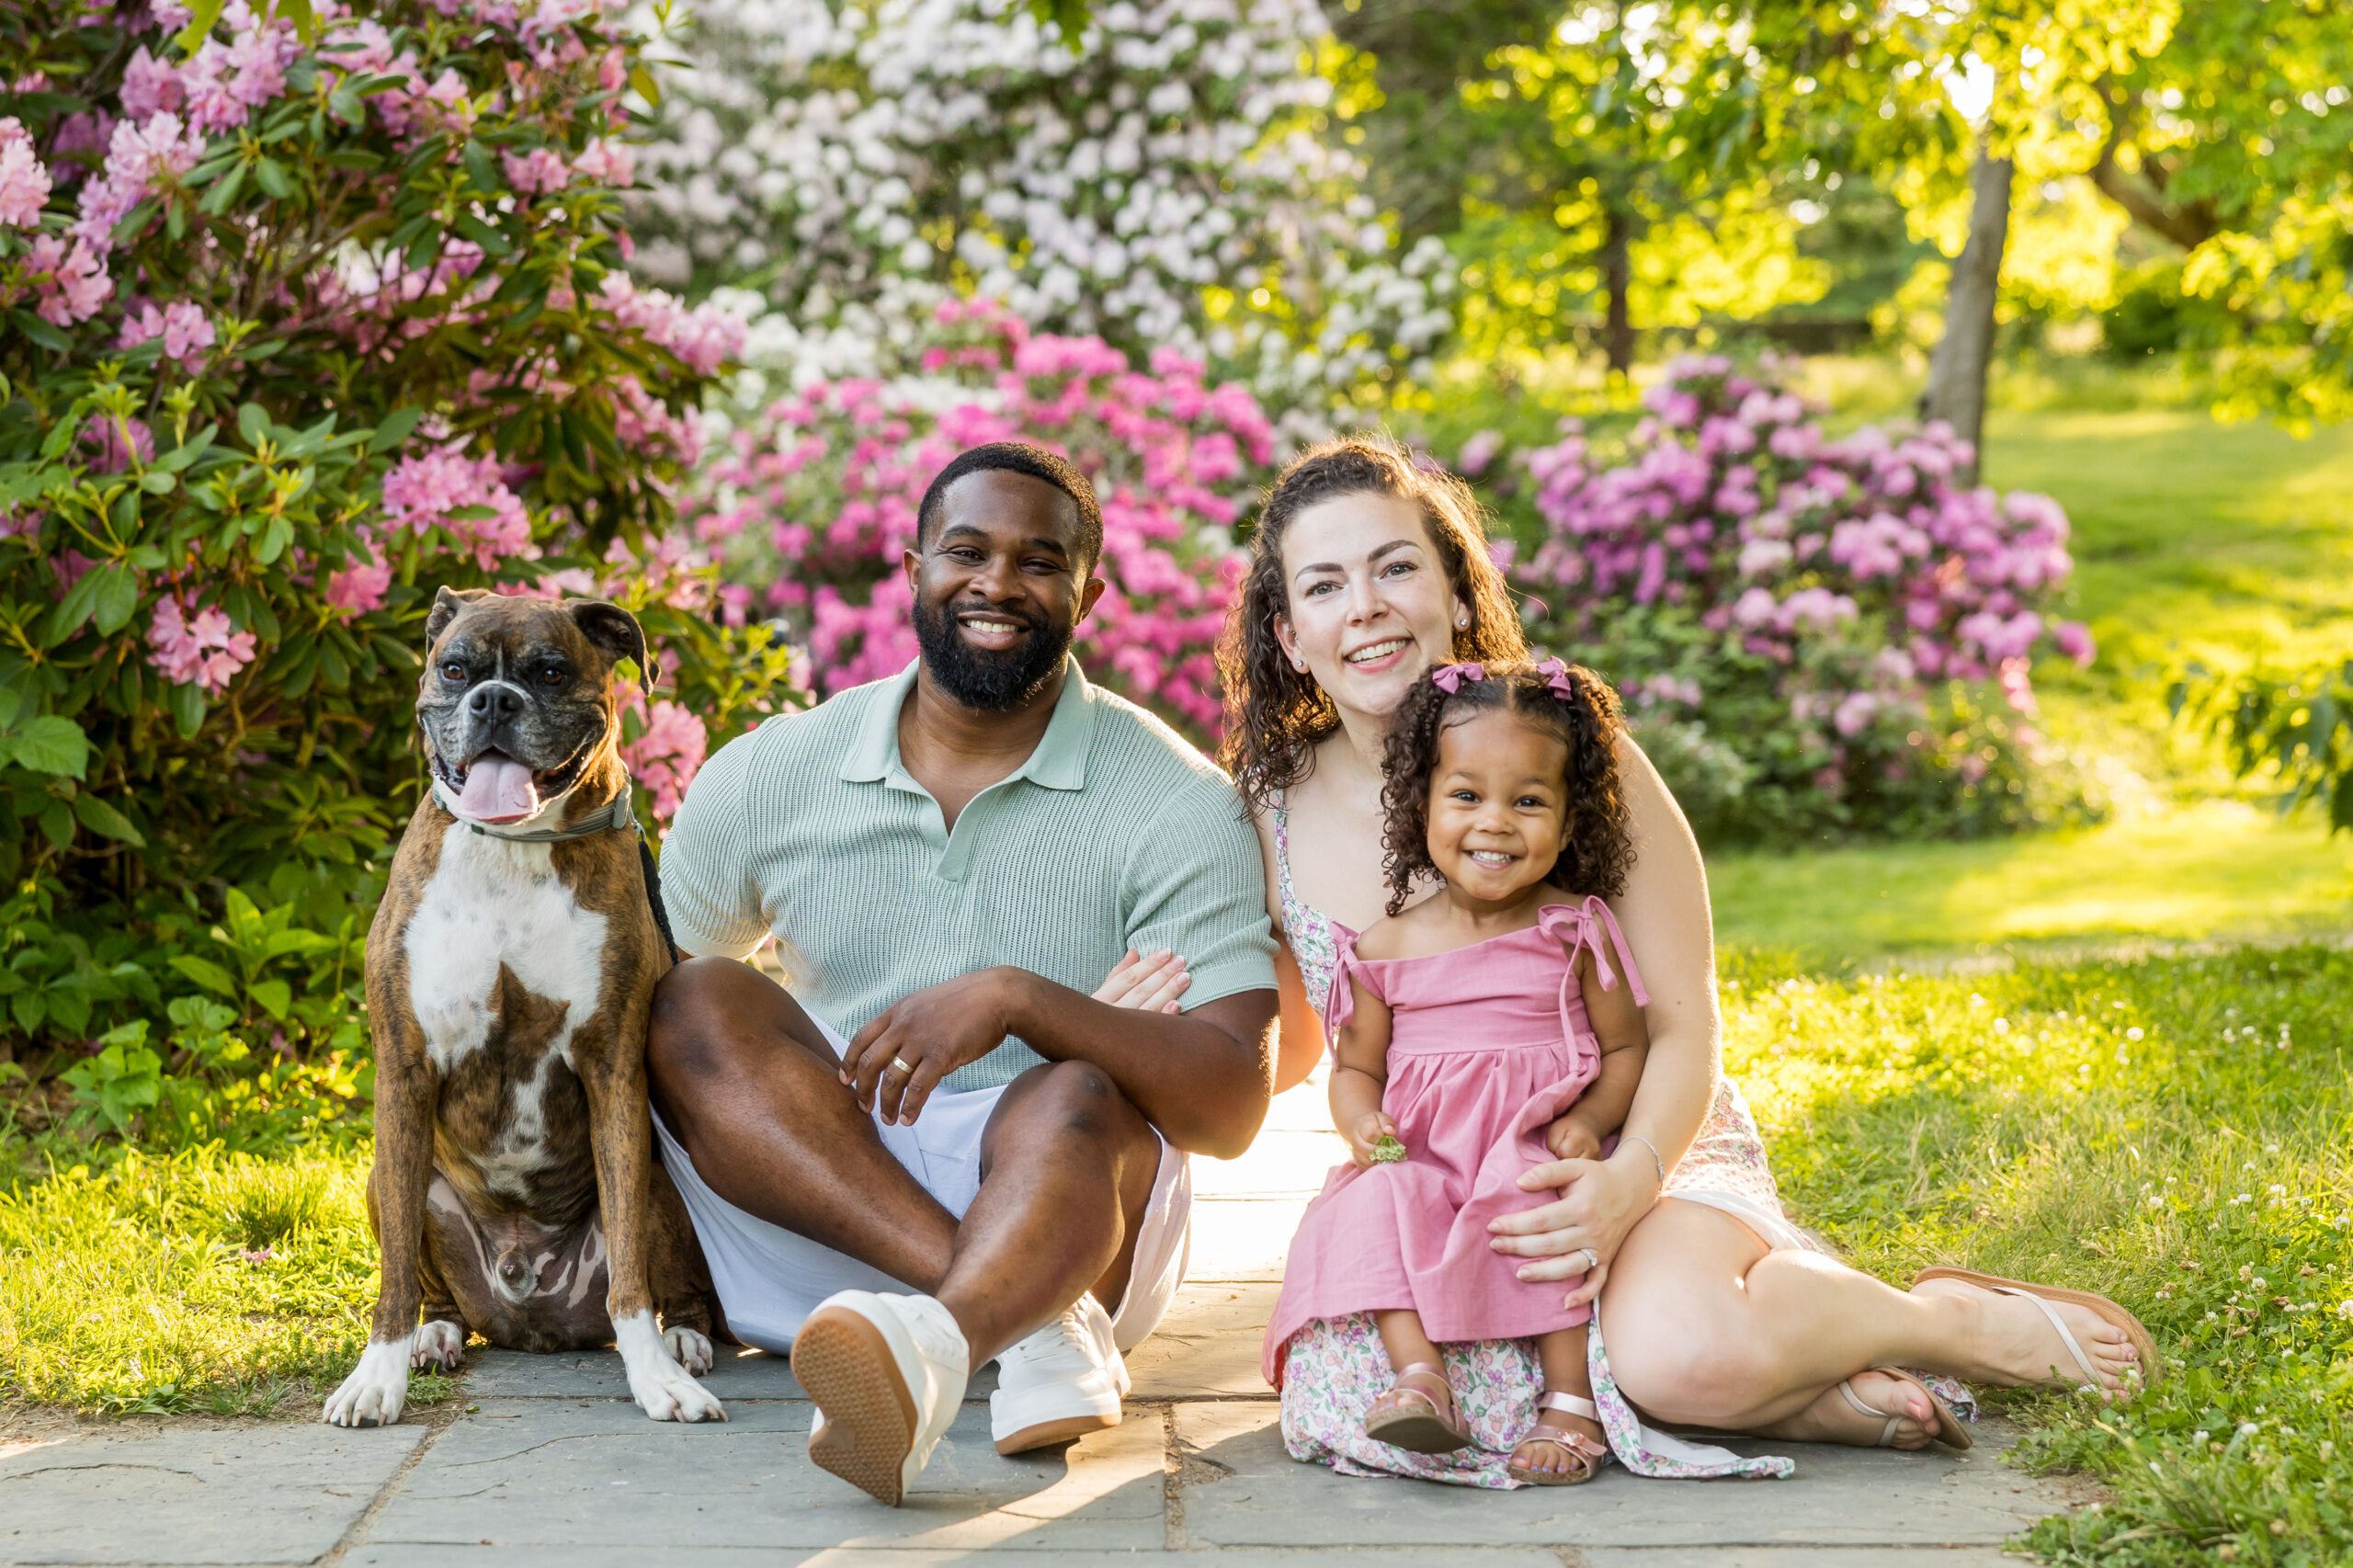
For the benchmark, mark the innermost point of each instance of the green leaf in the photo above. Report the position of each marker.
(647, 88)
(275, 539)
(134, 222)
(271, 174)
(117, 599)
(210, 975)
(483, 234)
(202, 15)
(394, 429)
(158, 482)
(216, 200)
(105, 822)
(48, 336)
(51, 744)
(30, 1007)
(253, 423)
(57, 822)
(275, 995)
(186, 702)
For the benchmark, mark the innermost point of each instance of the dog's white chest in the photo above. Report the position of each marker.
(490, 904)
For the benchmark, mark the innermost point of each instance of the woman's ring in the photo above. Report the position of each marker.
(901, 1064)
(1591, 1259)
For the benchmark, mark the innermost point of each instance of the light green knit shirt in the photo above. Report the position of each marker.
(1115, 834)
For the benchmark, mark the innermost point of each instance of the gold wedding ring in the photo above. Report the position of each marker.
(901, 1064)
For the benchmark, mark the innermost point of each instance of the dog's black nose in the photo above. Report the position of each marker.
(494, 700)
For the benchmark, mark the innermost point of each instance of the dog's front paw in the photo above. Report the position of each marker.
(378, 1387)
(660, 1385)
(439, 1348)
(689, 1348)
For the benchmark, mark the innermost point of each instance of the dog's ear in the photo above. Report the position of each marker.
(616, 633)
(446, 606)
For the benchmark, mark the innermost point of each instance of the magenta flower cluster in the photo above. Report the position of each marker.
(815, 499)
(1860, 565)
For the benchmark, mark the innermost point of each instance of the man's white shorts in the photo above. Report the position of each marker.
(771, 1279)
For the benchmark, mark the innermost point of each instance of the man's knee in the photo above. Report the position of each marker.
(1080, 1098)
(705, 1011)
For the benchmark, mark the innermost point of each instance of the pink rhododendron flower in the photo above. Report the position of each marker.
(538, 171)
(186, 330)
(667, 752)
(24, 184)
(204, 648)
(149, 87)
(72, 284)
(360, 586)
(104, 438)
(427, 492)
(1478, 452)
(608, 162)
(136, 155)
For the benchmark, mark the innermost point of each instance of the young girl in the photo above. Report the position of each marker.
(1490, 1027)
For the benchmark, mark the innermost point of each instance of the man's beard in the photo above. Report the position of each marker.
(991, 682)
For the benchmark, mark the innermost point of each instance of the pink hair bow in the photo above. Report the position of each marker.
(1448, 679)
(1556, 675)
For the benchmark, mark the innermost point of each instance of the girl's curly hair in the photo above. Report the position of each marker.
(1600, 849)
(1275, 714)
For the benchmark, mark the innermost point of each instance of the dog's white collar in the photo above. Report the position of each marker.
(612, 818)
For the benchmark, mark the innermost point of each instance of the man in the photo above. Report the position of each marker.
(954, 1144)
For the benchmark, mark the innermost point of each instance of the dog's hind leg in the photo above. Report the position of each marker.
(621, 1130)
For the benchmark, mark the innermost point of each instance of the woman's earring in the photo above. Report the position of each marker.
(1299, 664)
(1463, 621)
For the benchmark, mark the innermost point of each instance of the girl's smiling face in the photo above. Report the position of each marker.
(1368, 607)
(1498, 807)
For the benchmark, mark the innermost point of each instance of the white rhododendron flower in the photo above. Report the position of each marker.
(1172, 183)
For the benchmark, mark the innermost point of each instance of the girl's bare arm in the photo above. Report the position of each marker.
(1625, 1040)
(1360, 1074)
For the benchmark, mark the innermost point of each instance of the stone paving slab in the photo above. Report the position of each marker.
(256, 1494)
(1839, 1497)
(567, 1473)
(904, 1557)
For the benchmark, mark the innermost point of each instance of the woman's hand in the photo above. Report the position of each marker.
(1150, 982)
(1365, 1134)
(1599, 1202)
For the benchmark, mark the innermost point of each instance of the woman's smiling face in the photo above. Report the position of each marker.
(1368, 603)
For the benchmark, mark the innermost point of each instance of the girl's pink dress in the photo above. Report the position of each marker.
(1488, 1044)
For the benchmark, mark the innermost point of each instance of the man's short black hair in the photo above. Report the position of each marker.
(1020, 457)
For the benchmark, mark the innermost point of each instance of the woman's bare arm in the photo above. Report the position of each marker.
(1299, 1044)
(1663, 913)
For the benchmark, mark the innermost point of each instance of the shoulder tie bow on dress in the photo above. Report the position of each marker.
(1576, 926)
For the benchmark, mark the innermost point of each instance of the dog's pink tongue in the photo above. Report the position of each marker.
(499, 788)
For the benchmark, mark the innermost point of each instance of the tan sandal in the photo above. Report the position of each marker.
(1417, 1421)
(1947, 1430)
(2144, 1345)
(1590, 1455)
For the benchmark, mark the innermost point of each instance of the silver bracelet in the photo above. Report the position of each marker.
(1626, 1138)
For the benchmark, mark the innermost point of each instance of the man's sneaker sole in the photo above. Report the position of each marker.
(845, 1367)
(1046, 1434)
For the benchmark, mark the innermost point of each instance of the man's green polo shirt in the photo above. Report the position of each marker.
(1115, 834)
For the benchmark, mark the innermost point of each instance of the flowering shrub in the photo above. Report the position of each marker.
(815, 498)
(303, 325)
(1167, 182)
(1813, 625)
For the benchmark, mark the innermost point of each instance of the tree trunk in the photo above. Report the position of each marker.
(1618, 278)
(1956, 391)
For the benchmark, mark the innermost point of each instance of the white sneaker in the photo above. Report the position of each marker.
(886, 1374)
(1063, 1382)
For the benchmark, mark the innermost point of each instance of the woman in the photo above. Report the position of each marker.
(1717, 1311)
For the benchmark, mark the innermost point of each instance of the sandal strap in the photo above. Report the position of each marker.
(1569, 1404)
(1887, 1436)
(1447, 1412)
(2091, 1374)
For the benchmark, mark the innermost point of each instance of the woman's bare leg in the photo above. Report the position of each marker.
(1707, 1328)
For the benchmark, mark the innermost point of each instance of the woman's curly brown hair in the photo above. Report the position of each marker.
(1600, 849)
(1276, 714)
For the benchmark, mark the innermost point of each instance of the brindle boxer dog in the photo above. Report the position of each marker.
(509, 973)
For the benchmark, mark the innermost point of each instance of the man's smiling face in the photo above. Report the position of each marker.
(1001, 580)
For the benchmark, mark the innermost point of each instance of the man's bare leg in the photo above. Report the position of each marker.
(746, 1084)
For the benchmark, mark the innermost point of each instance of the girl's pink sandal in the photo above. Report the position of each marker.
(1590, 1455)
(1417, 1421)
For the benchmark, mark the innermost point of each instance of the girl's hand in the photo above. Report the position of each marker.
(1599, 1202)
(1366, 1135)
(1150, 984)
(1570, 1138)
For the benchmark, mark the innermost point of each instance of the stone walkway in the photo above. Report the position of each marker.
(547, 1461)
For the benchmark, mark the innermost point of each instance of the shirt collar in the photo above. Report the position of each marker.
(1058, 763)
